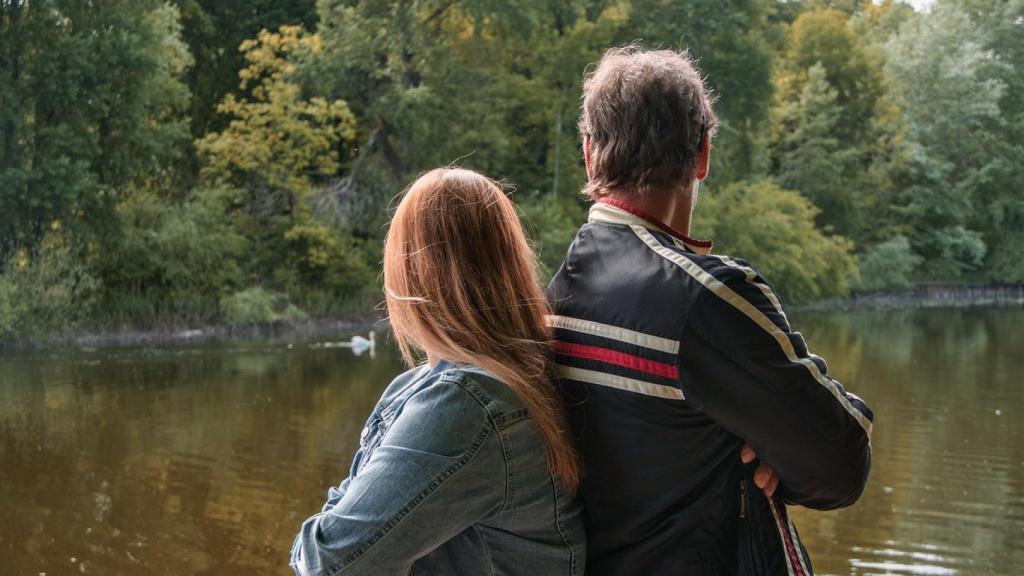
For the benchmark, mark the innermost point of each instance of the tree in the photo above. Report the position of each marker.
(882, 155)
(170, 259)
(551, 223)
(810, 158)
(948, 86)
(91, 101)
(825, 37)
(276, 142)
(477, 83)
(213, 30)
(774, 230)
(395, 62)
(1001, 219)
(278, 146)
(45, 289)
(889, 264)
(547, 70)
(876, 21)
(833, 133)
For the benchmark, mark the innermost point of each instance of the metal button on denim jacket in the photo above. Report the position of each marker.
(450, 478)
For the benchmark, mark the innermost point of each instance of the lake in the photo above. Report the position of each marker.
(205, 459)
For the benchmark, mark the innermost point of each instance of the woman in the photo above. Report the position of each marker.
(465, 466)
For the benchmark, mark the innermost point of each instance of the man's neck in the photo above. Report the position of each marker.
(671, 207)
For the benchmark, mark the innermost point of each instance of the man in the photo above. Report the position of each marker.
(680, 366)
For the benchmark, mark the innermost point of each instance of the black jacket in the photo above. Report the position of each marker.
(673, 358)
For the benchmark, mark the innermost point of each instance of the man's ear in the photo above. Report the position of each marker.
(704, 157)
(586, 154)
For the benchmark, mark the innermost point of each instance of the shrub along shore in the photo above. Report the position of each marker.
(291, 328)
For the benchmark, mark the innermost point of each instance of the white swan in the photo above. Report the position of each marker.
(360, 344)
(357, 343)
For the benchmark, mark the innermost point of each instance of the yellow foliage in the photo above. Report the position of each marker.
(318, 242)
(275, 136)
(21, 260)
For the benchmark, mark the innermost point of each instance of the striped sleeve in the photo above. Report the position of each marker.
(742, 363)
(616, 357)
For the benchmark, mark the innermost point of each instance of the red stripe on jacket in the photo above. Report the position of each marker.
(618, 358)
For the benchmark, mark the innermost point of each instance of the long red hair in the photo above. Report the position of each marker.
(461, 283)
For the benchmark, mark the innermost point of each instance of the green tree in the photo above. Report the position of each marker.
(430, 84)
(46, 289)
(547, 68)
(213, 30)
(170, 259)
(327, 269)
(1001, 222)
(774, 230)
(90, 100)
(278, 147)
(810, 157)
(882, 156)
(825, 37)
(945, 81)
(833, 136)
(889, 264)
(551, 223)
(876, 21)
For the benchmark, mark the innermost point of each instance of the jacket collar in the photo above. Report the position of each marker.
(615, 211)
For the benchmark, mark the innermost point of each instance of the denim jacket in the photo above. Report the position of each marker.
(450, 478)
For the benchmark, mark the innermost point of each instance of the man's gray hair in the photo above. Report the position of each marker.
(645, 113)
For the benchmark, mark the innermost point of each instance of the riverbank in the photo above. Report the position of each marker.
(176, 335)
(928, 295)
(918, 296)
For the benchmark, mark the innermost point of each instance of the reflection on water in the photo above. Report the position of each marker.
(174, 461)
(947, 489)
(204, 460)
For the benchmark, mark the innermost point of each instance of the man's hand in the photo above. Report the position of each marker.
(764, 477)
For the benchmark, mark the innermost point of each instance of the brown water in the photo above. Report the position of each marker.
(177, 461)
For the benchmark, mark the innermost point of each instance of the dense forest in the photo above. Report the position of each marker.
(204, 161)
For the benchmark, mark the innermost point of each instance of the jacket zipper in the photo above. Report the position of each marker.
(749, 562)
(743, 498)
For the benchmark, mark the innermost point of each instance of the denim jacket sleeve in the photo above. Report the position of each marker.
(438, 469)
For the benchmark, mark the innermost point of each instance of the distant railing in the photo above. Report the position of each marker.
(932, 294)
(938, 291)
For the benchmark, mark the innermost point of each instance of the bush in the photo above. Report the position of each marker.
(774, 230)
(324, 268)
(953, 252)
(257, 306)
(888, 265)
(172, 260)
(181, 261)
(46, 290)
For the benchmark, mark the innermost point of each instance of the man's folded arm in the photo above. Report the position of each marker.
(747, 370)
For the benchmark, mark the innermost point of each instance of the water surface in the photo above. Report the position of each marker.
(204, 460)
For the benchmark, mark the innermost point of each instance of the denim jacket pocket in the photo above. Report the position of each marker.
(369, 438)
